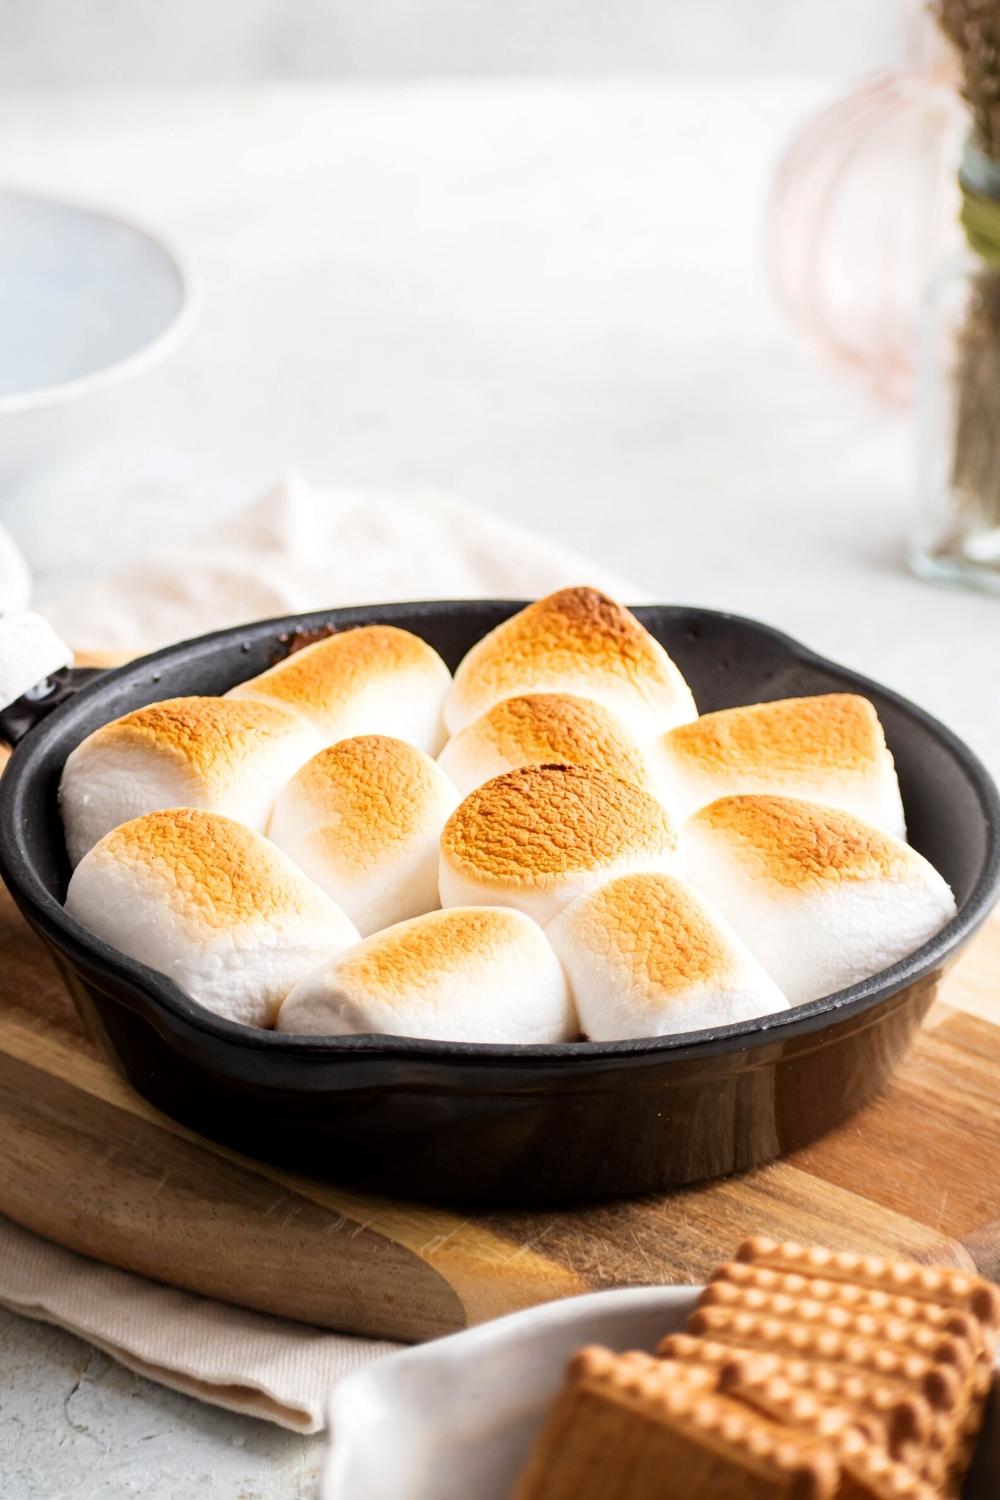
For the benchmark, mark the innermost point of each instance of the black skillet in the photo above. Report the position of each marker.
(490, 1124)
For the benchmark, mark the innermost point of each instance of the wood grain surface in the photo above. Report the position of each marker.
(88, 1163)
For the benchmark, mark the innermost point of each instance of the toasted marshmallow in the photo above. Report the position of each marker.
(213, 753)
(828, 749)
(472, 974)
(375, 679)
(544, 729)
(211, 904)
(646, 955)
(820, 897)
(536, 838)
(363, 818)
(576, 641)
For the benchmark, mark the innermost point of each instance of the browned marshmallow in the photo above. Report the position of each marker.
(363, 818)
(375, 679)
(469, 974)
(575, 641)
(536, 838)
(821, 898)
(214, 906)
(828, 749)
(212, 753)
(646, 955)
(544, 729)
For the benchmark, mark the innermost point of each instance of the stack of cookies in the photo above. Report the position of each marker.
(805, 1373)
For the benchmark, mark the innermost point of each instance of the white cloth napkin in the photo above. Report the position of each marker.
(297, 549)
(300, 548)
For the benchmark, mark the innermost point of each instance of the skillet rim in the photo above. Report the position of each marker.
(86, 951)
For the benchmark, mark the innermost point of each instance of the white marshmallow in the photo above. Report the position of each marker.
(374, 679)
(363, 819)
(211, 904)
(820, 897)
(575, 641)
(544, 729)
(474, 974)
(215, 753)
(828, 749)
(536, 838)
(646, 955)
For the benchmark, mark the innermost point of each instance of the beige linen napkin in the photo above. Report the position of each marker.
(248, 1362)
(297, 549)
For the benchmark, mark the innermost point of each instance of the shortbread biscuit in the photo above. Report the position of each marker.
(941, 1284)
(685, 1348)
(620, 1426)
(902, 1418)
(868, 1473)
(780, 1400)
(939, 1373)
(846, 1294)
(879, 1327)
(698, 1374)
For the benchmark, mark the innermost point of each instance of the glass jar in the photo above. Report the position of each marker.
(958, 533)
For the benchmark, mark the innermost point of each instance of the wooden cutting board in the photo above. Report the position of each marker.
(88, 1163)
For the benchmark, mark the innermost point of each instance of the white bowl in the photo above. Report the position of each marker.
(88, 301)
(455, 1418)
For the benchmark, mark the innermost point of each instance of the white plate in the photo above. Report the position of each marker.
(454, 1419)
(88, 301)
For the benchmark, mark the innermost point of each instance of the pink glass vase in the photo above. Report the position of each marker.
(863, 204)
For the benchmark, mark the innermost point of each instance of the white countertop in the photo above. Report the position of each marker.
(545, 297)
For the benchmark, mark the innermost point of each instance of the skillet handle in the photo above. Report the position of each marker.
(21, 716)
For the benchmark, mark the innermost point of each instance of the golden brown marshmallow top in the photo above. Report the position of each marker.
(541, 822)
(837, 734)
(215, 872)
(564, 632)
(796, 844)
(654, 929)
(540, 728)
(394, 963)
(329, 672)
(372, 787)
(213, 738)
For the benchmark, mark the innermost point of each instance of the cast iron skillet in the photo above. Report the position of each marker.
(475, 1123)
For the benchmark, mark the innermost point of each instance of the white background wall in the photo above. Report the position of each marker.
(143, 42)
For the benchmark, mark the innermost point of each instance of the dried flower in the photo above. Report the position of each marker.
(973, 28)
